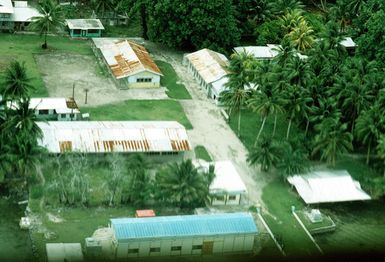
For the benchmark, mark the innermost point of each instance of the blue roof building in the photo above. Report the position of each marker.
(184, 235)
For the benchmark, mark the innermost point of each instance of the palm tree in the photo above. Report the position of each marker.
(285, 52)
(368, 127)
(51, 18)
(381, 148)
(181, 184)
(332, 140)
(266, 153)
(280, 7)
(291, 20)
(302, 36)
(266, 101)
(22, 122)
(292, 161)
(240, 78)
(17, 84)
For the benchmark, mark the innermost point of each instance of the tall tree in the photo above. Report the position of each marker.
(137, 6)
(266, 153)
(51, 18)
(17, 83)
(302, 36)
(181, 184)
(332, 140)
(207, 23)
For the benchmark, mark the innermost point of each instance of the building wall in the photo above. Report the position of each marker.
(133, 80)
(219, 245)
(206, 86)
(227, 200)
(84, 33)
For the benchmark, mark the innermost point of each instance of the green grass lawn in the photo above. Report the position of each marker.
(23, 48)
(14, 242)
(279, 198)
(251, 123)
(170, 79)
(201, 153)
(157, 110)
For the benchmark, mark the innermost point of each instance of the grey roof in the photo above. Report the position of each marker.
(84, 24)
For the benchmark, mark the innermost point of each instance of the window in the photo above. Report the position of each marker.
(43, 112)
(143, 80)
(92, 31)
(232, 197)
(196, 247)
(63, 115)
(76, 31)
(155, 249)
(133, 250)
(220, 198)
(178, 248)
(72, 116)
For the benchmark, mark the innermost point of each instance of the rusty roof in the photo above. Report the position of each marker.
(114, 136)
(210, 65)
(125, 57)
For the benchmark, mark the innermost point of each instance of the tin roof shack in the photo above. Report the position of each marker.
(349, 45)
(210, 69)
(217, 234)
(129, 63)
(84, 27)
(165, 138)
(16, 17)
(60, 109)
(227, 187)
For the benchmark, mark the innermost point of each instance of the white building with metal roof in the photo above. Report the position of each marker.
(227, 187)
(84, 27)
(128, 62)
(328, 186)
(210, 69)
(17, 16)
(259, 52)
(189, 235)
(153, 137)
(55, 108)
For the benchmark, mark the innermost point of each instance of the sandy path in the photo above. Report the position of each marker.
(210, 128)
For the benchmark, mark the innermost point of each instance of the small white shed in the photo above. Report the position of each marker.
(69, 252)
(227, 187)
(214, 234)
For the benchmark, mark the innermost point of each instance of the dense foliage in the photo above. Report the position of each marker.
(194, 24)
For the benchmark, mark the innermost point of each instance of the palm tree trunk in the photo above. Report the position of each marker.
(368, 153)
(143, 17)
(307, 126)
(260, 130)
(239, 123)
(288, 129)
(275, 123)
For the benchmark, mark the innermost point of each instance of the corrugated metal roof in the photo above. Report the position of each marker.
(6, 7)
(125, 57)
(328, 186)
(227, 179)
(114, 136)
(183, 226)
(210, 65)
(260, 52)
(84, 24)
(24, 14)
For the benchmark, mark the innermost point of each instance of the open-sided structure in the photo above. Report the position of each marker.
(129, 63)
(84, 27)
(188, 235)
(153, 137)
(327, 186)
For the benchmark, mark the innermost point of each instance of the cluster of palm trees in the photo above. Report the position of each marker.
(337, 101)
(19, 151)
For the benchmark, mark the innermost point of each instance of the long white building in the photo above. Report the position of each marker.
(216, 234)
(154, 137)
